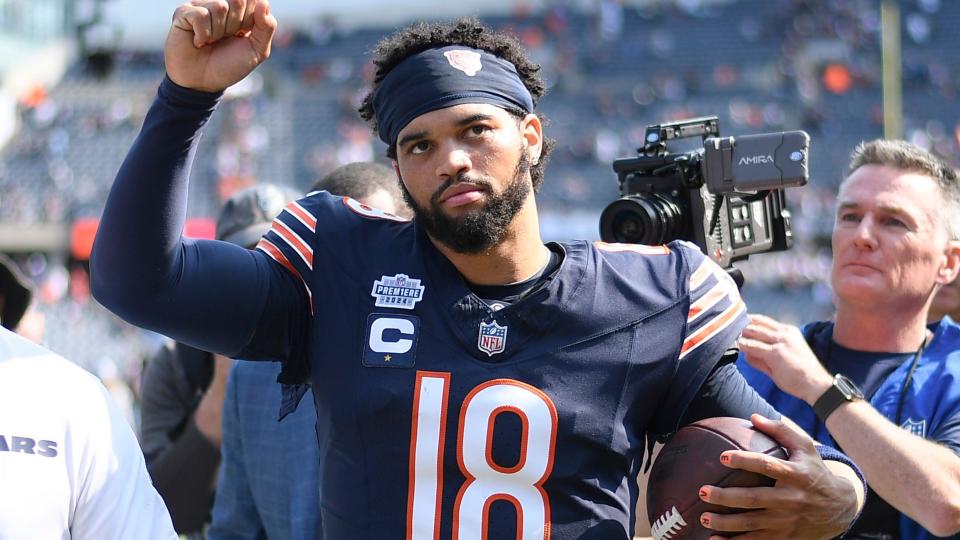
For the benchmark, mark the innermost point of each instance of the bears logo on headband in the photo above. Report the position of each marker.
(424, 82)
(466, 61)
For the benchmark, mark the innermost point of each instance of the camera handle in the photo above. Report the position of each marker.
(737, 276)
(715, 216)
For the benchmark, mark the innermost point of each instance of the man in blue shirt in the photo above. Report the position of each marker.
(469, 379)
(269, 471)
(878, 380)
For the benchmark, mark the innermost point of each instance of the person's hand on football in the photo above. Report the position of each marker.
(807, 502)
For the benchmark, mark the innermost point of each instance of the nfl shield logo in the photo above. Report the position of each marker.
(493, 338)
(915, 427)
(466, 61)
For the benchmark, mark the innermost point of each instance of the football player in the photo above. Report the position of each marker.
(470, 381)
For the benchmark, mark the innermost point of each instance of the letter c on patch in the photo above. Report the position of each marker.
(400, 346)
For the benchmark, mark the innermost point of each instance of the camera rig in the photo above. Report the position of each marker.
(727, 197)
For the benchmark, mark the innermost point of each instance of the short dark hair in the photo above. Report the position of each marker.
(359, 180)
(16, 291)
(469, 32)
(909, 157)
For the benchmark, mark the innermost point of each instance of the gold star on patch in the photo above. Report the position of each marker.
(387, 358)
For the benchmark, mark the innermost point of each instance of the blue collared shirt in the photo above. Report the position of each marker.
(269, 476)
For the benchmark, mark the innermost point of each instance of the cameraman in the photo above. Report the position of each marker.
(879, 367)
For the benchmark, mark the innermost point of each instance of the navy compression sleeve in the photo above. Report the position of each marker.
(726, 393)
(212, 295)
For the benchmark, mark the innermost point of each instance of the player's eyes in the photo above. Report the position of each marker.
(478, 130)
(418, 147)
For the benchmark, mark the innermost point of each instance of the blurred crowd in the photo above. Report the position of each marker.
(613, 68)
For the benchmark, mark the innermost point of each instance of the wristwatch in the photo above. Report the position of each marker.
(842, 391)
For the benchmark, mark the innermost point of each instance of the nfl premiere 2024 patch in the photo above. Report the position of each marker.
(391, 340)
(399, 291)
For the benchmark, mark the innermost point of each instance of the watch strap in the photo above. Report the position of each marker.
(828, 402)
(841, 391)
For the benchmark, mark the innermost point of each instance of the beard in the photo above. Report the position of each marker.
(477, 230)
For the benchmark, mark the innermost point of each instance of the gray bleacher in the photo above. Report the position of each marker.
(307, 109)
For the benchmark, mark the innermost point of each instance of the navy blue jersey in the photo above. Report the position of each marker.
(438, 417)
(444, 418)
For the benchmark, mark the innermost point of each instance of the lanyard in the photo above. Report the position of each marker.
(906, 382)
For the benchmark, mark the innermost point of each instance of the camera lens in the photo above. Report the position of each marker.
(643, 218)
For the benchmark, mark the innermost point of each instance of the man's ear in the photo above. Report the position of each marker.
(532, 131)
(950, 268)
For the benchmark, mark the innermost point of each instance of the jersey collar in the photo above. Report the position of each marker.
(533, 316)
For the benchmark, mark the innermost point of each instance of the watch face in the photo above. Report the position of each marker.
(847, 387)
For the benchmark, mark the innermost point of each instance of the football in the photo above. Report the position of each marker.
(691, 459)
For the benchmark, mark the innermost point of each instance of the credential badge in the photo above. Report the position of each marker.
(493, 338)
(466, 61)
(915, 427)
(399, 291)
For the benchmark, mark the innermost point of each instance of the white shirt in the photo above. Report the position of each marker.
(70, 467)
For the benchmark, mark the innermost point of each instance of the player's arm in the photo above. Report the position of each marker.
(808, 500)
(814, 486)
(918, 477)
(208, 294)
(235, 515)
(818, 492)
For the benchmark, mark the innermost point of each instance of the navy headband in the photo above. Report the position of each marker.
(444, 77)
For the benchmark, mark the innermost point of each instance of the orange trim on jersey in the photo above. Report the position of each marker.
(701, 274)
(484, 532)
(706, 302)
(634, 248)
(414, 429)
(554, 417)
(274, 253)
(708, 331)
(294, 241)
(469, 478)
(302, 215)
(524, 437)
(361, 209)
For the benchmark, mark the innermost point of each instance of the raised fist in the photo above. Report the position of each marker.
(213, 44)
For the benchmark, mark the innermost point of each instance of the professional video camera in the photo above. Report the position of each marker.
(727, 197)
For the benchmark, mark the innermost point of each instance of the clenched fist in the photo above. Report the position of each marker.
(213, 44)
